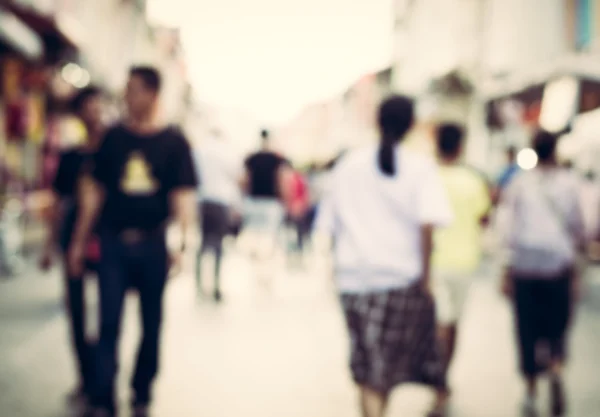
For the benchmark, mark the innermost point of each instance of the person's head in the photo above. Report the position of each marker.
(395, 119)
(142, 92)
(265, 138)
(511, 154)
(544, 145)
(449, 141)
(87, 105)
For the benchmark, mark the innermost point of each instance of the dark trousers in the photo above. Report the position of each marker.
(76, 308)
(143, 264)
(542, 313)
(215, 226)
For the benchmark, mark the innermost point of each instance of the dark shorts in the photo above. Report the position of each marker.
(393, 339)
(215, 223)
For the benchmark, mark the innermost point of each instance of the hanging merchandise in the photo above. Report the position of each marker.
(13, 158)
(36, 117)
(16, 121)
(12, 73)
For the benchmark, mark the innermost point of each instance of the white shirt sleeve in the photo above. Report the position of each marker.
(326, 210)
(432, 202)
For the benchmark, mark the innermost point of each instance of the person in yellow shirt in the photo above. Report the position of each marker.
(457, 248)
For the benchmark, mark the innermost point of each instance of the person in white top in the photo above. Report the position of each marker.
(221, 171)
(381, 209)
(545, 230)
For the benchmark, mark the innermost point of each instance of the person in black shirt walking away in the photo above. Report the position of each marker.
(87, 105)
(267, 175)
(143, 174)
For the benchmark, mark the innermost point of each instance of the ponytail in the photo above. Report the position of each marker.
(385, 157)
(395, 119)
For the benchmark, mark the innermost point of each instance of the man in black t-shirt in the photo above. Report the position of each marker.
(87, 105)
(143, 176)
(265, 184)
(263, 169)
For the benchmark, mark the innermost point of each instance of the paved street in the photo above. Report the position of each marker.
(278, 351)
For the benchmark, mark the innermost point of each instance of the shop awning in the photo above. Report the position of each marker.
(57, 30)
(19, 36)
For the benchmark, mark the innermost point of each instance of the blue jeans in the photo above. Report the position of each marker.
(144, 265)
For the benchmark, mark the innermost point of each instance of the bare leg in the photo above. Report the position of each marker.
(557, 394)
(439, 406)
(448, 336)
(373, 403)
(531, 386)
(218, 262)
(199, 254)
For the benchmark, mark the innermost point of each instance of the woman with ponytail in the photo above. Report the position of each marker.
(383, 205)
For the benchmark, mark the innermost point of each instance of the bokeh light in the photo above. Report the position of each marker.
(527, 159)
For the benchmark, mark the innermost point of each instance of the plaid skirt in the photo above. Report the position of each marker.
(393, 339)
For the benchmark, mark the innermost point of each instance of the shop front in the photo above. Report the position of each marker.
(29, 98)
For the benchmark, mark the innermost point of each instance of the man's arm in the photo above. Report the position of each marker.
(53, 217)
(54, 210)
(426, 251)
(244, 182)
(183, 208)
(285, 174)
(183, 187)
(91, 198)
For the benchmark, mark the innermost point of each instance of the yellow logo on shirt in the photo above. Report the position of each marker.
(138, 178)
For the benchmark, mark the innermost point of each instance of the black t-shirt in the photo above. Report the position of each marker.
(263, 167)
(138, 173)
(72, 165)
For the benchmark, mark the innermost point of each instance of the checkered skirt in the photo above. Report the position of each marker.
(393, 339)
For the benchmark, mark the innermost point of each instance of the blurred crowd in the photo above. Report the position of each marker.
(405, 232)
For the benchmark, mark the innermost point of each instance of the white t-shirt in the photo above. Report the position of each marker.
(220, 169)
(375, 219)
(543, 215)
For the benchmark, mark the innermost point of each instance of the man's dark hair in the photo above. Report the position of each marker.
(264, 134)
(544, 145)
(150, 76)
(449, 139)
(83, 95)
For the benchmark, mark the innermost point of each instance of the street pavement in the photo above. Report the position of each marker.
(277, 350)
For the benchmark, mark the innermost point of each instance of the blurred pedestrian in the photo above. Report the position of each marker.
(143, 174)
(265, 182)
(73, 168)
(458, 248)
(221, 170)
(382, 208)
(545, 231)
(297, 208)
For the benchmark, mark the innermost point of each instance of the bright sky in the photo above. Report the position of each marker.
(272, 57)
